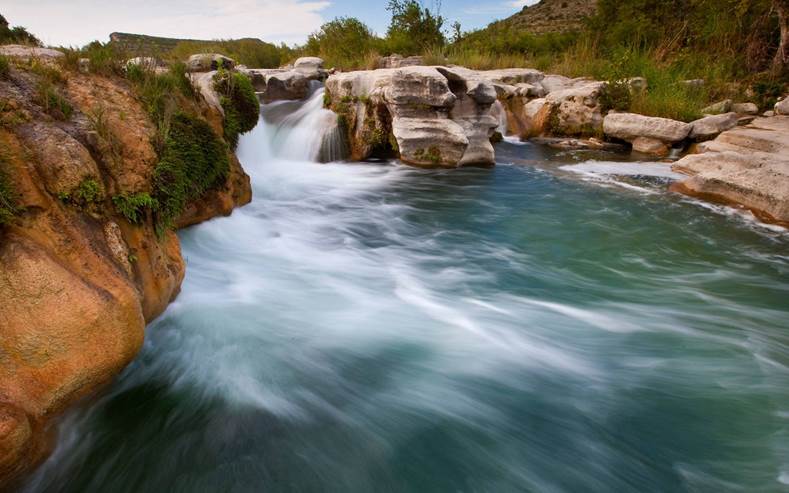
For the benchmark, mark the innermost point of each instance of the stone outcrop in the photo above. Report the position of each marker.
(284, 84)
(206, 62)
(746, 166)
(27, 53)
(428, 116)
(78, 280)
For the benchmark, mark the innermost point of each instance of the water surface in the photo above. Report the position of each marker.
(533, 327)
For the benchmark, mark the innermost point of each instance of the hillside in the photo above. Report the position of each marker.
(550, 16)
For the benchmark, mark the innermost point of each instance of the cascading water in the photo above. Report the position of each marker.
(372, 327)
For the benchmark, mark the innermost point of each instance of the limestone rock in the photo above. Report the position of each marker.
(308, 63)
(630, 126)
(398, 61)
(718, 108)
(782, 107)
(27, 53)
(437, 116)
(648, 145)
(577, 109)
(745, 108)
(206, 62)
(709, 127)
(746, 166)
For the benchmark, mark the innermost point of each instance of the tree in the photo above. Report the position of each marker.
(781, 60)
(414, 28)
(16, 34)
(457, 32)
(342, 42)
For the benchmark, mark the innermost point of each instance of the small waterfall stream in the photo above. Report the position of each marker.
(372, 327)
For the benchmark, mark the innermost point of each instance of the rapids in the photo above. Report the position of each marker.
(553, 324)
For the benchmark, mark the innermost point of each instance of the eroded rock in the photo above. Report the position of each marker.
(709, 127)
(630, 126)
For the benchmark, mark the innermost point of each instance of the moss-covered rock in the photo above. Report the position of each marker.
(239, 102)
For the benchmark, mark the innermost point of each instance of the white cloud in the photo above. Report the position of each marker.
(77, 22)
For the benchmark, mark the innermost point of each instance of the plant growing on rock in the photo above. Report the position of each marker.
(240, 103)
(134, 206)
(194, 161)
(5, 67)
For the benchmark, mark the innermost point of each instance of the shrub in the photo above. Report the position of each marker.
(413, 28)
(253, 53)
(240, 103)
(343, 42)
(53, 103)
(133, 206)
(87, 193)
(16, 35)
(193, 161)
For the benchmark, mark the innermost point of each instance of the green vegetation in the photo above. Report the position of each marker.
(16, 35)
(253, 53)
(240, 103)
(733, 45)
(8, 196)
(5, 67)
(194, 160)
(134, 206)
(54, 104)
(343, 42)
(433, 154)
(89, 192)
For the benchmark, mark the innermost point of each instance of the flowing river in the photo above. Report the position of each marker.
(549, 325)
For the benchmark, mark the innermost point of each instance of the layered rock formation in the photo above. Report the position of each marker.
(428, 116)
(79, 279)
(745, 166)
(292, 83)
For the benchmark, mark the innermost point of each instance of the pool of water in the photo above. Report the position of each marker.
(537, 326)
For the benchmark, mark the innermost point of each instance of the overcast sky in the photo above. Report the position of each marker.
(77, 22)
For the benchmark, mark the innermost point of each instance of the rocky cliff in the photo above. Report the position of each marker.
(551, 16)
(86, 259)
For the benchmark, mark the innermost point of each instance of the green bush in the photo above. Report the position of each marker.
(413, 28)
(133, 206)
(16, 35)
(342, 42)
(240, 103)
(53, 103)
(193, 161)
(253, 53)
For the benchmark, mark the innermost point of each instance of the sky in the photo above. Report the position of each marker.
(78, 22)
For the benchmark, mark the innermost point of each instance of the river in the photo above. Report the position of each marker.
(540, 326)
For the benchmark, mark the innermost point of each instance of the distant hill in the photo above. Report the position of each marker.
(551, 16)
(140, 44)
(252, 52)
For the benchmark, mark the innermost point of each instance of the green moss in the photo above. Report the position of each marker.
(240, 103)
(193, 161)
(133, 207)
(89, 192)
(432, 154)
(496, 137)
(326, 99)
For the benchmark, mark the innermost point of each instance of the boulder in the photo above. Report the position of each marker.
(782, 107)
(630, 126)
(745, 166)
(648, 145)
(577, 110)
(513, 76)
(768, 114)
(745, 108)
(206, 62)
(718, 108)
(308, 63)
(27, 53)
(146, 62)
(637, 84)
(83, 65)
(709, 127)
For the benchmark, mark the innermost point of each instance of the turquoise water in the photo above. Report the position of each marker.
(372, 327)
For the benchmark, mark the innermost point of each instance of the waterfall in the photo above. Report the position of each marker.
(300, 130)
